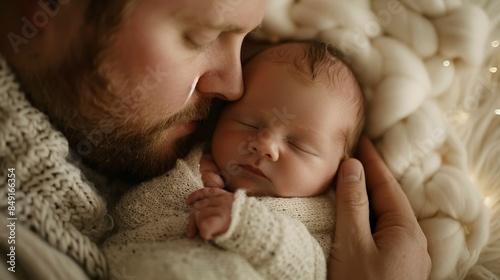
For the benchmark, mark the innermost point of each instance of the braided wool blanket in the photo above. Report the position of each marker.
(418, 60)
(52, 197)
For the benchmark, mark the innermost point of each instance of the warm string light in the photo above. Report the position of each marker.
(494, 44)
(488, 201)
(461, 117)
(446, 63)
(494, 69)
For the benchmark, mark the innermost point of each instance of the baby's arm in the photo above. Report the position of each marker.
(211, 214)
(278, 246)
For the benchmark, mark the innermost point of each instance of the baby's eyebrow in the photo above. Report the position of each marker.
(313, 139)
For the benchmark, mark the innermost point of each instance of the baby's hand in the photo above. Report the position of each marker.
(211, 214)
(210, 174)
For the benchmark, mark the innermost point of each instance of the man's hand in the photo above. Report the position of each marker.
(397, 249)
(210, 174)
(211, 214)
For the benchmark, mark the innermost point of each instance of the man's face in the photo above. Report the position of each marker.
(284, 137)
(164, 63)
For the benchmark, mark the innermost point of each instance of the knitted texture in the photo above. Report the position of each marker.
(278, 246)
(51, 196)
(416, 59)
(269, 238)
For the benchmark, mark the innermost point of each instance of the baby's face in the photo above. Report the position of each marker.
(284, 137)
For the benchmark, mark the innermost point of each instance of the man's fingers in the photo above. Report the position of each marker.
(387, 195)
(353, 226)
(372, 162)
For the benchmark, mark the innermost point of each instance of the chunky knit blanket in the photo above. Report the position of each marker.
(421, 62)
(50, 195)
(269, 238)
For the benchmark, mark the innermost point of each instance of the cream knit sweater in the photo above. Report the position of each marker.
(269, 238)
(52, 197)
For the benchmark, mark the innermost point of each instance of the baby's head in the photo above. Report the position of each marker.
(301, 114)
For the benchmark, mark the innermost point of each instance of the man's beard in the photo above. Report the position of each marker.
(133, 153)
(101, 133)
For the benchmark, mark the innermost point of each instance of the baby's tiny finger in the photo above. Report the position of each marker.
(212, 180)
(202, 203)
(192, 229)
(204, 193)
(212, 226)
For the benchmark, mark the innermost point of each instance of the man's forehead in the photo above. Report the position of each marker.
(231, 15)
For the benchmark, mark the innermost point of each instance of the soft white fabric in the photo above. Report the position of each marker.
(268, 238)
(52, 197)
(418, 59)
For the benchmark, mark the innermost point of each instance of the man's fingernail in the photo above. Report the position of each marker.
(351, 171)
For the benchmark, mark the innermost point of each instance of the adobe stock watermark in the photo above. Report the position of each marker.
(279, 119)
(31, 27)
(150, 81)
(455, 117)
(421, 149)
(12, 186)
(484, 88)
(371, 28)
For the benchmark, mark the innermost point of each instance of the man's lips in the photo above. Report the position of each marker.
(253, 169)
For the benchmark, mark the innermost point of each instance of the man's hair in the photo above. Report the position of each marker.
(106, 16)
(323, 58)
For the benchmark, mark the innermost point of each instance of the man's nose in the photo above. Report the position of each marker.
(223, 77)
(266, 145)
